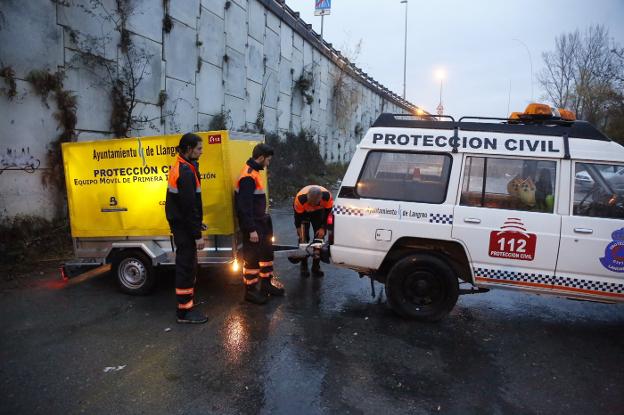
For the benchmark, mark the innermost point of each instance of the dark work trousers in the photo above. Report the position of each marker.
(185, 267)
(316, 219)
(258, 256)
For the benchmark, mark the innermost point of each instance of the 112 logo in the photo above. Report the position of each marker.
(513, 241)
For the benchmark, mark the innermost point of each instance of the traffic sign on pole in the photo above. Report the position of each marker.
(322, 7)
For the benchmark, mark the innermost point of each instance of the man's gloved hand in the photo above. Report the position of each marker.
(200, 244)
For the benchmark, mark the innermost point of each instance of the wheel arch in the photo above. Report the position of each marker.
(452, 252)
(149, 249)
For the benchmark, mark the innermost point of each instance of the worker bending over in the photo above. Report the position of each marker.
(312, 205)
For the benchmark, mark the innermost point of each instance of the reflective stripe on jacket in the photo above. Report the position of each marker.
(303, 208)
(174, 175)
(302, 205)
(250, 197)
(254, 174)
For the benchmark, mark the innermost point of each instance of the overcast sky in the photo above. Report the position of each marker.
(472, 40)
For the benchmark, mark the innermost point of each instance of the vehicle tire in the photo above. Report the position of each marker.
(134, 272)
(422, 287)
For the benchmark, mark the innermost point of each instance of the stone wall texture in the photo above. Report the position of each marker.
(238, 58)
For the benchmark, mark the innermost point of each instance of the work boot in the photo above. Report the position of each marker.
(269, 289)
(303, 268)
(254, 296)
(192, 316)
(316, 268)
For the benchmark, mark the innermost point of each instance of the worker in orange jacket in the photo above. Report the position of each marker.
(257, 228)
(312, 205)
(183, 207)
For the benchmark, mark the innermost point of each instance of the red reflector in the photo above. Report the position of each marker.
(330, 219)
(64, 276)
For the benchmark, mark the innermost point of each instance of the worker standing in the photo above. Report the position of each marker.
(256, 227)
(312, 205)
(183, 208)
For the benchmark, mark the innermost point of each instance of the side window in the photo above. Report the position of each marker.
(599, 190)
(410, 177)
(515, 184)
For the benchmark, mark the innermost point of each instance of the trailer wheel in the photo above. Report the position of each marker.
(422, 287)
(134, 272)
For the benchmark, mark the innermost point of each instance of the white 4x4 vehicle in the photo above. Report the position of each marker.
(427, 204)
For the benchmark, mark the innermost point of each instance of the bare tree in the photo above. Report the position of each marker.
(585, 73)
(120, 77)
(618, 52)
(345, 92)
(557, 78)
(615, 124)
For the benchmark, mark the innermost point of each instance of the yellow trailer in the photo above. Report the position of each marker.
(116, 197)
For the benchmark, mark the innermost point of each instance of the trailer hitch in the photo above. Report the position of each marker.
(316, 249)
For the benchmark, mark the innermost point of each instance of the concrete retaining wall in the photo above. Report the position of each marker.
(241, 58)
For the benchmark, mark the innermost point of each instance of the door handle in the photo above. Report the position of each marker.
(584, 230)
(472, 220)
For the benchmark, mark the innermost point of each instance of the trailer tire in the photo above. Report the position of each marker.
(422, 287)
(134, 272)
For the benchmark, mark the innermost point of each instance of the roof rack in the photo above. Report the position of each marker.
(424, 116)
(470, 117)
(523, 121)
(558, 128)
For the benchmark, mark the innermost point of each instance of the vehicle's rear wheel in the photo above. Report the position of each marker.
(422, 287)
(134, 272)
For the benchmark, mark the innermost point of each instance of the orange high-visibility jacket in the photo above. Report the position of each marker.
(250, 195)
(303, 208)
(183, 205)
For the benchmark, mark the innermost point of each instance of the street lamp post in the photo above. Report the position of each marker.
(405, 51)
(440, 75)
(530, 62)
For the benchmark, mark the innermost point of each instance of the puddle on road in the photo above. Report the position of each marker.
(293, 377)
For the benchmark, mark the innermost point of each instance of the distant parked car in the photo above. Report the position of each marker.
(585, 181)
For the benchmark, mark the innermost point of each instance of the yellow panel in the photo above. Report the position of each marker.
(118, 187)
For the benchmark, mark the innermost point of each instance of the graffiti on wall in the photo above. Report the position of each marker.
(18, 159)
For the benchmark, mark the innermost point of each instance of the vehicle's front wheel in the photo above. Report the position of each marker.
(422, 287)
(134, 272)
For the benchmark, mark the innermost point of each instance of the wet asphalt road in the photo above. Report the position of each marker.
(328, 347)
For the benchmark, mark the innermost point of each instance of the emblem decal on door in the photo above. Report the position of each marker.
(214, 139)
(513, 241)
(614, 253)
